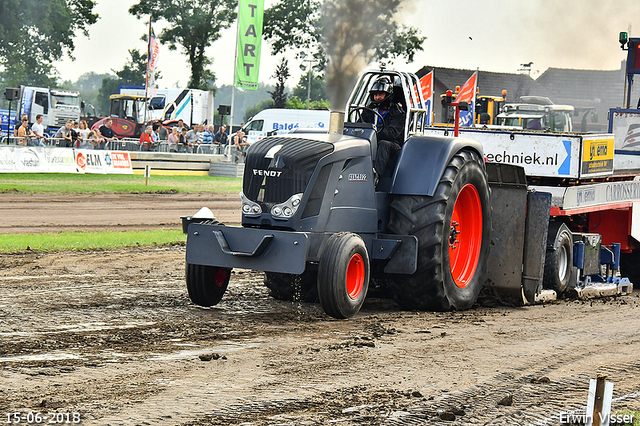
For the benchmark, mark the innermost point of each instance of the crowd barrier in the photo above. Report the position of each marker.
(125, 144)
(48, 159)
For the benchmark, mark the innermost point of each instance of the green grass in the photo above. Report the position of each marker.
(95, 183)
(635, 414)
(13, 243)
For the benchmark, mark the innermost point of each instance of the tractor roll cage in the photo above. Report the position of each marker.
(406, 91)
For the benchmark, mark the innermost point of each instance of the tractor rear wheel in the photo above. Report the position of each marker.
(558, 262)
(206, 284)
(293, 288)
(343, 275)
(453, 229)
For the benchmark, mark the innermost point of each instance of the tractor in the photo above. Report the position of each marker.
(322, 225)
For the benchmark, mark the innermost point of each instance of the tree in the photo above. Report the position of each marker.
(342, 35)
(193, 25)
(317, 87)
(299, 25)
(89, 84)
(134, 73)
(281, 74)
(294, 102)
(254, 109)
(35, 33)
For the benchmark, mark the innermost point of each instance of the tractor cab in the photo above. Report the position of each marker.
(406, 92)
(129, 107)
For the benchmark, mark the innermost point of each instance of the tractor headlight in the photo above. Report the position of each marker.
(250, 208)
(288, 208)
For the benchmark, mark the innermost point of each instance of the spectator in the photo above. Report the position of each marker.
(75, 135)
(91, 141)
(84, 131)
(146, 139)
(207, 135)
(221, 136)
(38, 131)
(64, 135)
(192, 138)
(106, 131)
(183, 139)
(181, 126)
(163, 132)
(200, 133)
(239, 144)
(173, 140)
(156, 138)
(19, 124)
(24, 132)
(192, 135)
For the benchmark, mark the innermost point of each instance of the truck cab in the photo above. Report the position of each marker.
(537, 113)
(56, 105)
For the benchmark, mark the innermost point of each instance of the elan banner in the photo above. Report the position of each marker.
(250, 13)
(27, 159)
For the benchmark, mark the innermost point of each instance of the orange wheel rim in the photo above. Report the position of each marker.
(355, 276)
(465, 236)
(220, 277)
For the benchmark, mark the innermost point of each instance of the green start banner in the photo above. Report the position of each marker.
(250, 13)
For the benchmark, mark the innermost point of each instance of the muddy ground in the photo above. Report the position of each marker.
(111, 335)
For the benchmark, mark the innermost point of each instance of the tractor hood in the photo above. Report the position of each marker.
(278, 167)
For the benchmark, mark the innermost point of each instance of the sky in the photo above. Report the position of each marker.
(490, 35)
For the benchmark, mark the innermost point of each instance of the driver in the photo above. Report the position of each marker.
(391, 135)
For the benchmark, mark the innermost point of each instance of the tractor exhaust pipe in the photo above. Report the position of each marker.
(336, 122)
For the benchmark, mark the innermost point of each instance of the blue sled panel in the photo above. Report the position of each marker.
(247, 248)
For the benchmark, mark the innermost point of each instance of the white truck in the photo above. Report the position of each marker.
(193, 106)
(537, 112)
(56, 106)
(279, 121)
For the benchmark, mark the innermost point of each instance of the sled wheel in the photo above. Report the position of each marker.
(453, 229)
(558, 262)
(343, 275)
(294, 288)
(206, 284)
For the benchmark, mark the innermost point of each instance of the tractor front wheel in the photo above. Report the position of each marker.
(206, 284)
(343, 275)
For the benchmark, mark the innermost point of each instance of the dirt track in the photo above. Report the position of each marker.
(112, 335)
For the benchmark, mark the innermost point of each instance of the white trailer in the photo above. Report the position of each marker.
(193, 106)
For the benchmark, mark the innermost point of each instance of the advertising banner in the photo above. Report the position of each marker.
(250, 13)
(31, 159)
(597, 156)
(7, 160)
(61, 160)
(26, 159)
(625, 126)
(118, 162)
(90, 161)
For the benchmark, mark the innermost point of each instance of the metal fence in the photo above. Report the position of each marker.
(125, 144)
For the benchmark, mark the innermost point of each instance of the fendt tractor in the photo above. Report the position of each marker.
(432, 232)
